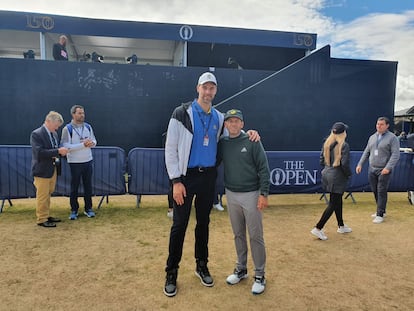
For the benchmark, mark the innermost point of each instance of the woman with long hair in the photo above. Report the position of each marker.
(335, 174)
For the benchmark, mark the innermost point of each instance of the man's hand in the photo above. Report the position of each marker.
(262, 202)
(253, 135)
(88, 143)
(358, 169)
(385, 171)
(179, 193)
(63, 151)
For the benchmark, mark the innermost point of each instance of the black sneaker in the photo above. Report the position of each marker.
(203, 273)
(170, 288)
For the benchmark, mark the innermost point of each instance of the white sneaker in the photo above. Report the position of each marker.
(378, 220)
(344, 229)
(375, 215)
(218, 207)
(170, 213)
(319, 234)
(410, 197)
(258, 285)
(237, 276)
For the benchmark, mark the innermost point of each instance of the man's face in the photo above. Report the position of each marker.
(234, 126)
(79, 115)
(382, 126)
(53, 126)
(206, 92)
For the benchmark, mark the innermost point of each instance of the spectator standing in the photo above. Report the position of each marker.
(46, 166)
(78, 136)
(383, 152)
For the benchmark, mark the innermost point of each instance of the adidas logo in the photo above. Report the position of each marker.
(243, 149)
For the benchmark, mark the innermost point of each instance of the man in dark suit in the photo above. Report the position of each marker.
(46, 165)
(59, 49)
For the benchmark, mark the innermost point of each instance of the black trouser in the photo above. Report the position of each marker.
(201, 185)
(335, 204)
(78, 171)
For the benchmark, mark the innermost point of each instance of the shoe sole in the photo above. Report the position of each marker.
(242, 278)
(257, 293)
(202, 282)
(170, 294)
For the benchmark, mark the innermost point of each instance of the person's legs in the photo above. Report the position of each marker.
(87, 170)
(203, 204)
(336, 199)
(238, 224)
(373, 175)
(44, 188)
(75, 171)
(326, 214)
(255, 227)
(382, 196)
(177, 233)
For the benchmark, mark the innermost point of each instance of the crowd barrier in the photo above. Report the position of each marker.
(291, 172)
(16, 181)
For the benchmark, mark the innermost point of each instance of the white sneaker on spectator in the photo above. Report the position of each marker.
(378, 220)
(344, 229)
(375, 215)
(319, 234)
(258, 285)
(218, 207)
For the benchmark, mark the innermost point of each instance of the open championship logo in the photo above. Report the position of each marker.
(293, 173)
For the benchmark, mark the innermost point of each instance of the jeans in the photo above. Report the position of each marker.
(81, 171)
(379, 186)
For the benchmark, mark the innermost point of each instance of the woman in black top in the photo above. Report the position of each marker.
(335, 174)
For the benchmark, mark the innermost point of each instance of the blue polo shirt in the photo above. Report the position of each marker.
(204, 147)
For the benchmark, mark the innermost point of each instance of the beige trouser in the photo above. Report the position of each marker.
(44, 189)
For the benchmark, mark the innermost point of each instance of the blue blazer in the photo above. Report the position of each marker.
(43, 153)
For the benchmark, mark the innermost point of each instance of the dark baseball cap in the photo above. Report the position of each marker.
(339, 127)
(233, 113)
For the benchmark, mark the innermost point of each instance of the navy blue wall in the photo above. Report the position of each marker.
(129, 106)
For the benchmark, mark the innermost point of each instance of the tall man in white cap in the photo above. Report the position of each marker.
(190, 156)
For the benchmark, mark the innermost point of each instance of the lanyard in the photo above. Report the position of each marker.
(205, 129)
(79, 134)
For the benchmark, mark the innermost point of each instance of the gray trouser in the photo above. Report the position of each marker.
(242, 208)
(379, 186)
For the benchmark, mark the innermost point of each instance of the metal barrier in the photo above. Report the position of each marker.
(291, 172)
(16, 180)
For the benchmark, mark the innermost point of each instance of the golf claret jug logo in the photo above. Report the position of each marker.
(293, 173)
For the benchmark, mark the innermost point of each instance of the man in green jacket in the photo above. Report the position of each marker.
(247, 180)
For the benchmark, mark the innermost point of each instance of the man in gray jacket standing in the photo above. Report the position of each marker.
(383, 151)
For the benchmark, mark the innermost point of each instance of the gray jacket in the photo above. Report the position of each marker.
(388, 151)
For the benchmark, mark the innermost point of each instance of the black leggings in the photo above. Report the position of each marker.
(335, 204)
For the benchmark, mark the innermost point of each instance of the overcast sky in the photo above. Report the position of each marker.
(357, 29)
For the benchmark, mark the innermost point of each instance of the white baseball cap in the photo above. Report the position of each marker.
(207, 77)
